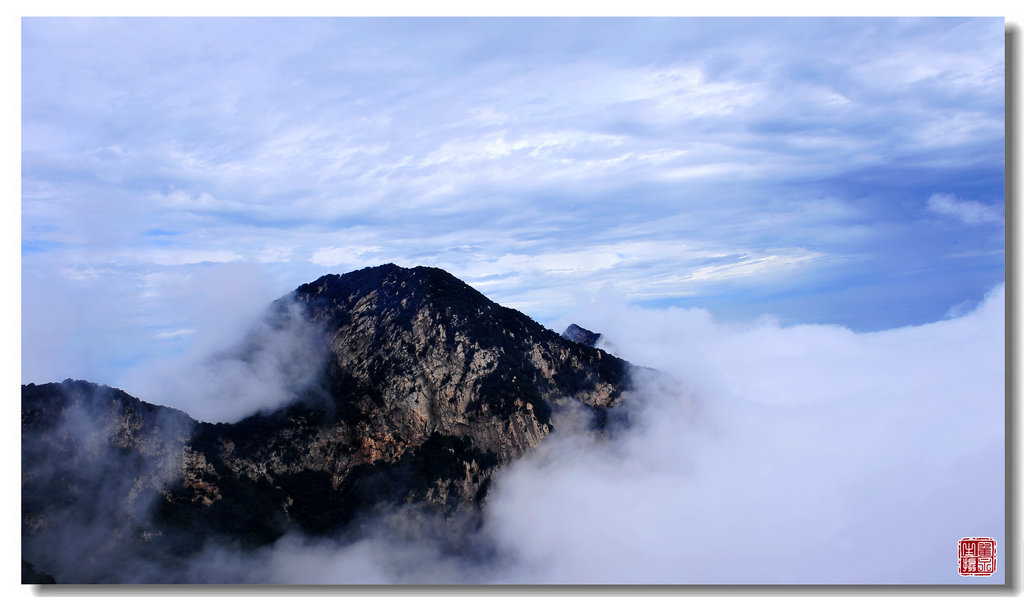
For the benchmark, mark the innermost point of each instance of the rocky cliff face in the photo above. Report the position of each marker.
(428, 389)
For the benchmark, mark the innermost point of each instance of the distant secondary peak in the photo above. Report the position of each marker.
(581, 335)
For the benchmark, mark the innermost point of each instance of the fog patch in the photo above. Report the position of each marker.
(406, 544)
(92, 468)
(280, 358)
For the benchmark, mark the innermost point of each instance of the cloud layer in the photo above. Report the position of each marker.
(807, 454)
(771, 454)
(746, 166)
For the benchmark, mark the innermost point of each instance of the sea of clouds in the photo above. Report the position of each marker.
(772, 454)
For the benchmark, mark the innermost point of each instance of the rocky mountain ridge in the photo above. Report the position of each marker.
(427, 389)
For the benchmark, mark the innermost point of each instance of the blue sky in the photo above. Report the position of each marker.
(178, 174)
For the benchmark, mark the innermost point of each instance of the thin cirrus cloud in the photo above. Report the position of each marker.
(530, 156)
(964, 210)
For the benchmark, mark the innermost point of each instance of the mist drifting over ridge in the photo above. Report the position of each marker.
(781, 455)
(275, 361)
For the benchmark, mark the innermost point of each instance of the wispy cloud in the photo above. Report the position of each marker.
(175, 333)
(965, 210)
(554, 147)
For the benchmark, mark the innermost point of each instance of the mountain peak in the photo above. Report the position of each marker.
(392, 286)
(444, 338)
(427, 388)
(581, 335)
(384, 276)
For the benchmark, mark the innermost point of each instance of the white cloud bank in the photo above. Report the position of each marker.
(807, 454)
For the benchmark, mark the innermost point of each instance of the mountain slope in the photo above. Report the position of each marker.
(427, 389)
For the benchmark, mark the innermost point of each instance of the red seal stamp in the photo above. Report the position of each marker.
(977, 556)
